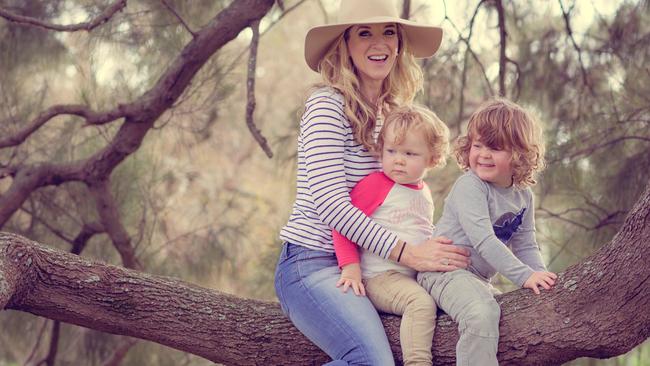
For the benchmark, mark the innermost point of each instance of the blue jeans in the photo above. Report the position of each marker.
(345, 326)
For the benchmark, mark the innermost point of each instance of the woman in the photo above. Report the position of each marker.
(368, 67)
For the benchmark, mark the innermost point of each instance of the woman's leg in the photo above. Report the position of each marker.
(345, 326)
(469, 301)
(395, 293)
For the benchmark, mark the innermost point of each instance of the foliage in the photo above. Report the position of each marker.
(199, 200)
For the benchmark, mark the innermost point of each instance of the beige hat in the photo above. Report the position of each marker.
(423, 40)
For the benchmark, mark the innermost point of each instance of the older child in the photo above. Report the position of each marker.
(490, 211)
(411, 141)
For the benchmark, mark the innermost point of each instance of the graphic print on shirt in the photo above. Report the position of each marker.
(418, 209)
(507, 224)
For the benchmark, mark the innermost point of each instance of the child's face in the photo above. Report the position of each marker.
(405, 163)
(491, 165)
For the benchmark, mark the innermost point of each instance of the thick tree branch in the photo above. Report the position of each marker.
(572, 320)
(100, 19)
(140, 114)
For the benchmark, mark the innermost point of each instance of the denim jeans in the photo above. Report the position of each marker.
(345, 326)
(470, 301)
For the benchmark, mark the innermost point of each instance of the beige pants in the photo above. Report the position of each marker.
(395, 293)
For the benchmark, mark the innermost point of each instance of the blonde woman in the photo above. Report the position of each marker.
(368, 67)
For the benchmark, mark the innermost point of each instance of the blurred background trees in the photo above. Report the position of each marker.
(201, 201)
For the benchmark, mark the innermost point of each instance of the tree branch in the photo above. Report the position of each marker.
(180, 19)
(110, 218)
(593, 148)
(250, 91)
(572, 320)
(406, 9)
(467, 40)
(91, 117)
(503, 39)
(567, 26)
(102, 18)
(120, 352)
(139, 115)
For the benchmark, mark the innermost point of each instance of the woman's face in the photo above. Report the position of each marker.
(373, 49)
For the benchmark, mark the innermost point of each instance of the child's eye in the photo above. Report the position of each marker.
(390, 151)
(409, 153)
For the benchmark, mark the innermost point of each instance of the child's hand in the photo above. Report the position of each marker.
(541, 278)
(351, 277)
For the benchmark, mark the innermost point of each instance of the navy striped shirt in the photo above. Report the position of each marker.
(330, 163)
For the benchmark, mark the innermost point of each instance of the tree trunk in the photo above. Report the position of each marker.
(599, 308)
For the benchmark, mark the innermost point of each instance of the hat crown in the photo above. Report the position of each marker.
(352, 11)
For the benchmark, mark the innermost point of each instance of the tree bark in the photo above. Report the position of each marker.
(599, 308)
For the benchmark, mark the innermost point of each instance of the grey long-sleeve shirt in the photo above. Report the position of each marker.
(496, 224)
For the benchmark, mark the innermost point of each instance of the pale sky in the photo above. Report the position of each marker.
(430, 11)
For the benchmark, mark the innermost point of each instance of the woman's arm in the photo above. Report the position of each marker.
(324, 135)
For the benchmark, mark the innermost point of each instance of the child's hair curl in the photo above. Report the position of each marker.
(503, 125)
(426, 123)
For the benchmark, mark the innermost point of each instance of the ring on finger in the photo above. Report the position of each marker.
(445, 261)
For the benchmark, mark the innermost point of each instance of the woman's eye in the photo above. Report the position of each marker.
(364, 33)
(389, 32)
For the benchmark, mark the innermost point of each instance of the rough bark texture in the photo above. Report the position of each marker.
(599, 308)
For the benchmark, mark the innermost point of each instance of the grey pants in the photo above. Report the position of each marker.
(469, 300)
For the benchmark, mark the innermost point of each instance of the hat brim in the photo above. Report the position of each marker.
(423, 40)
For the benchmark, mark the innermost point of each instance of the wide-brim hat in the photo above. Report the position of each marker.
(423, 40)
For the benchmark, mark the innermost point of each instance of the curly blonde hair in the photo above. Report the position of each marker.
(423, 121)
(400, 87)
(503, 125)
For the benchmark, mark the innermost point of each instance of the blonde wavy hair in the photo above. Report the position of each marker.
(422, 121)
(400, 87)
(503, 125)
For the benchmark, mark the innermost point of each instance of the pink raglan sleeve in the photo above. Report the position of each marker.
(367, 195)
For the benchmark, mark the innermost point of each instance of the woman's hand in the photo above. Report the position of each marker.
(437, 254)
(351, 277)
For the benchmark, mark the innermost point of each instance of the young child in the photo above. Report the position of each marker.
(411, 141)
(490, 211)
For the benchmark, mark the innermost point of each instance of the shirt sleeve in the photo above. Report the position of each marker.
(324, 134)
(523, 242)
(469, 195)
(367, 195)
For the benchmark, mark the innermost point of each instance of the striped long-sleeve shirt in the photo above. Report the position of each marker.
(330, 163)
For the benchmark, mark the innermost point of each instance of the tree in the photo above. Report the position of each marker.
(590, 85)
(599, 308)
